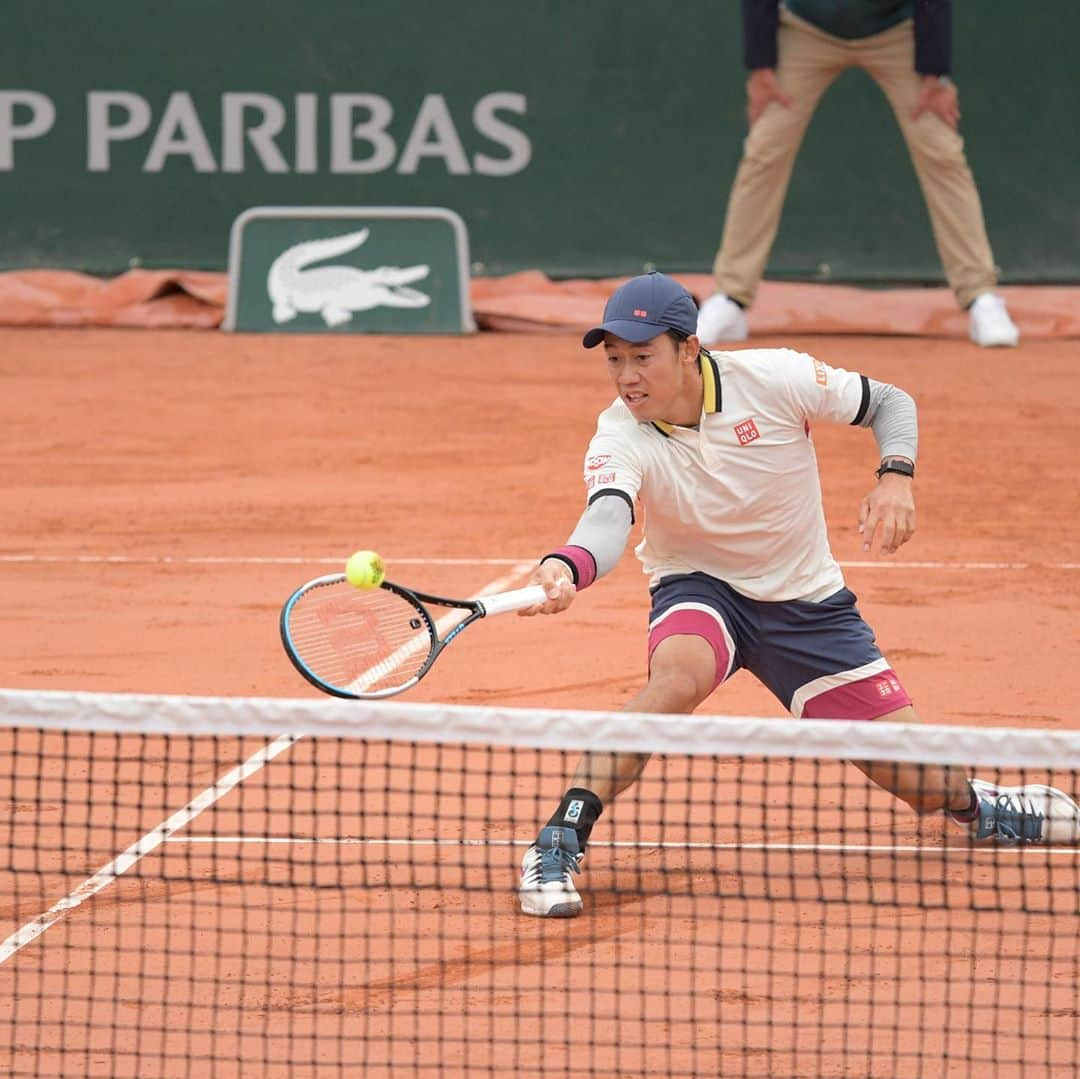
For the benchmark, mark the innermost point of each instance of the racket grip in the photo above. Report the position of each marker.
(502, 602)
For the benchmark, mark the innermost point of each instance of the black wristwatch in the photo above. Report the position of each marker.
(905, 468)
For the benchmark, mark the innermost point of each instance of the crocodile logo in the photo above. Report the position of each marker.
(336, 292)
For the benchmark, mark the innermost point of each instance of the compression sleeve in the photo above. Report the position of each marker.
(892, 416)
(598, 540)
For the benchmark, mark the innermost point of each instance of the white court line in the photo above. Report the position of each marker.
(156, 836)
(290, 560)
(827, 848)
(961, 565)
(141, 847)
(233, 560)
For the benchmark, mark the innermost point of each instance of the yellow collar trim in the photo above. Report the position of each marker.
(710, 384)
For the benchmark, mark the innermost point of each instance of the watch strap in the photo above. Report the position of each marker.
(904, 468)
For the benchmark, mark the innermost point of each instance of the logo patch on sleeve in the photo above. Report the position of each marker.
(746, 432)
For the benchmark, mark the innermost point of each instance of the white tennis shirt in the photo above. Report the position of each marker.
(738, 497)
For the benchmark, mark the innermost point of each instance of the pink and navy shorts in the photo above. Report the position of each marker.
(819, 659)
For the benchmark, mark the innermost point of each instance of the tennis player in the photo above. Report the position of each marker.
(717, 450)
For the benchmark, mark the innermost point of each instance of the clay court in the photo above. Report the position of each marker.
(164, 493)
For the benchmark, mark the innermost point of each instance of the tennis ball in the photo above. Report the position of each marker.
(365, 570)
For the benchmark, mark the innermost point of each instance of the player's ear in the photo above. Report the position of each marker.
(689, 349)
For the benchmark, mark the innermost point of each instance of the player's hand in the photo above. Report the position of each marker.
(763, 88)
(940, 98)
(890, 506)
(555, 579)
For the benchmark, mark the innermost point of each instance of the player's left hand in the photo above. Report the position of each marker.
(890, 506)
(940, 98)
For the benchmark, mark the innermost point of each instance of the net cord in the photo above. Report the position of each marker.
(696, 735)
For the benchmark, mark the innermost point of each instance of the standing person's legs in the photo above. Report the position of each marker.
(937, 152)
(808, 62)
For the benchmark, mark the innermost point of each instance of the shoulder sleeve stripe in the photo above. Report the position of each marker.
(614, 491)
(864, 404)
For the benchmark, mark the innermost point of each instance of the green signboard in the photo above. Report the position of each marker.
(349, 270)
(577, 138)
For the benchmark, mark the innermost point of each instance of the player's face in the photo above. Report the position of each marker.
(657, 379)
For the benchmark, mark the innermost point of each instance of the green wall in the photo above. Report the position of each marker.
(579, 138)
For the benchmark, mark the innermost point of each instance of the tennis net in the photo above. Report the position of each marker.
(224, 887)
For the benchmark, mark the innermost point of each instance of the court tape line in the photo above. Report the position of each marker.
(641, 844)
(232, 560)
(182, 817)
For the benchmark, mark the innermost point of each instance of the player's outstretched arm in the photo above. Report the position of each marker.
(593, 549)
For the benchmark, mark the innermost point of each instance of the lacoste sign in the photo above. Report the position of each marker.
(313, 270)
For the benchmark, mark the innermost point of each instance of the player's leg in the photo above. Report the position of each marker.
(1030, 813)
(691, 650)
(822, 661)
(926, 788)
(952, 199)
(808, 62)
(682, 673)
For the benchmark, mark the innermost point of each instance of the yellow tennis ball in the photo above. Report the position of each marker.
(365, 570)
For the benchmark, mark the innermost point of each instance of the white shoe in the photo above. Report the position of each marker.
(1033, 813)
(989, 323)
(721, 319)
(547, 875)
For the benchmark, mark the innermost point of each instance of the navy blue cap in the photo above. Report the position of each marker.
(644, 308)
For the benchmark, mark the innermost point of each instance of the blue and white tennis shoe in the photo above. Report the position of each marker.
(1030, 814)
(547, 875)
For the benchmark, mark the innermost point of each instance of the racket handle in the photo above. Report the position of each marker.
(502, 602)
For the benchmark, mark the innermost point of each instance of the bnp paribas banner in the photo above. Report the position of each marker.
(595, 137)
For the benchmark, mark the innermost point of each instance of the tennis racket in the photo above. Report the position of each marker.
(371, 643)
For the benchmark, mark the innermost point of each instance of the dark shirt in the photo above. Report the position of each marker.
(851, 20)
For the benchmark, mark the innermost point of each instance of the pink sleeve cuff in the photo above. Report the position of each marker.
(581, 563)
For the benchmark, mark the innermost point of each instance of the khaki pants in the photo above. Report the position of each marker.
(809, 61)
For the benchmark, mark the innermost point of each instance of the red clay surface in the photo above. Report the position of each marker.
(127, 448)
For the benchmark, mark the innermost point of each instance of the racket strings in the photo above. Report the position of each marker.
(362, 641)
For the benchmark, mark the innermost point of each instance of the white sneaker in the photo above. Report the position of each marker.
(1033, 813)
(547, 875)
(721, 319)
(989, 323)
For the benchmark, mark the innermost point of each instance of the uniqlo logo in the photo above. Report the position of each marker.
(888, 686)
(640, 313)
(746, 432)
